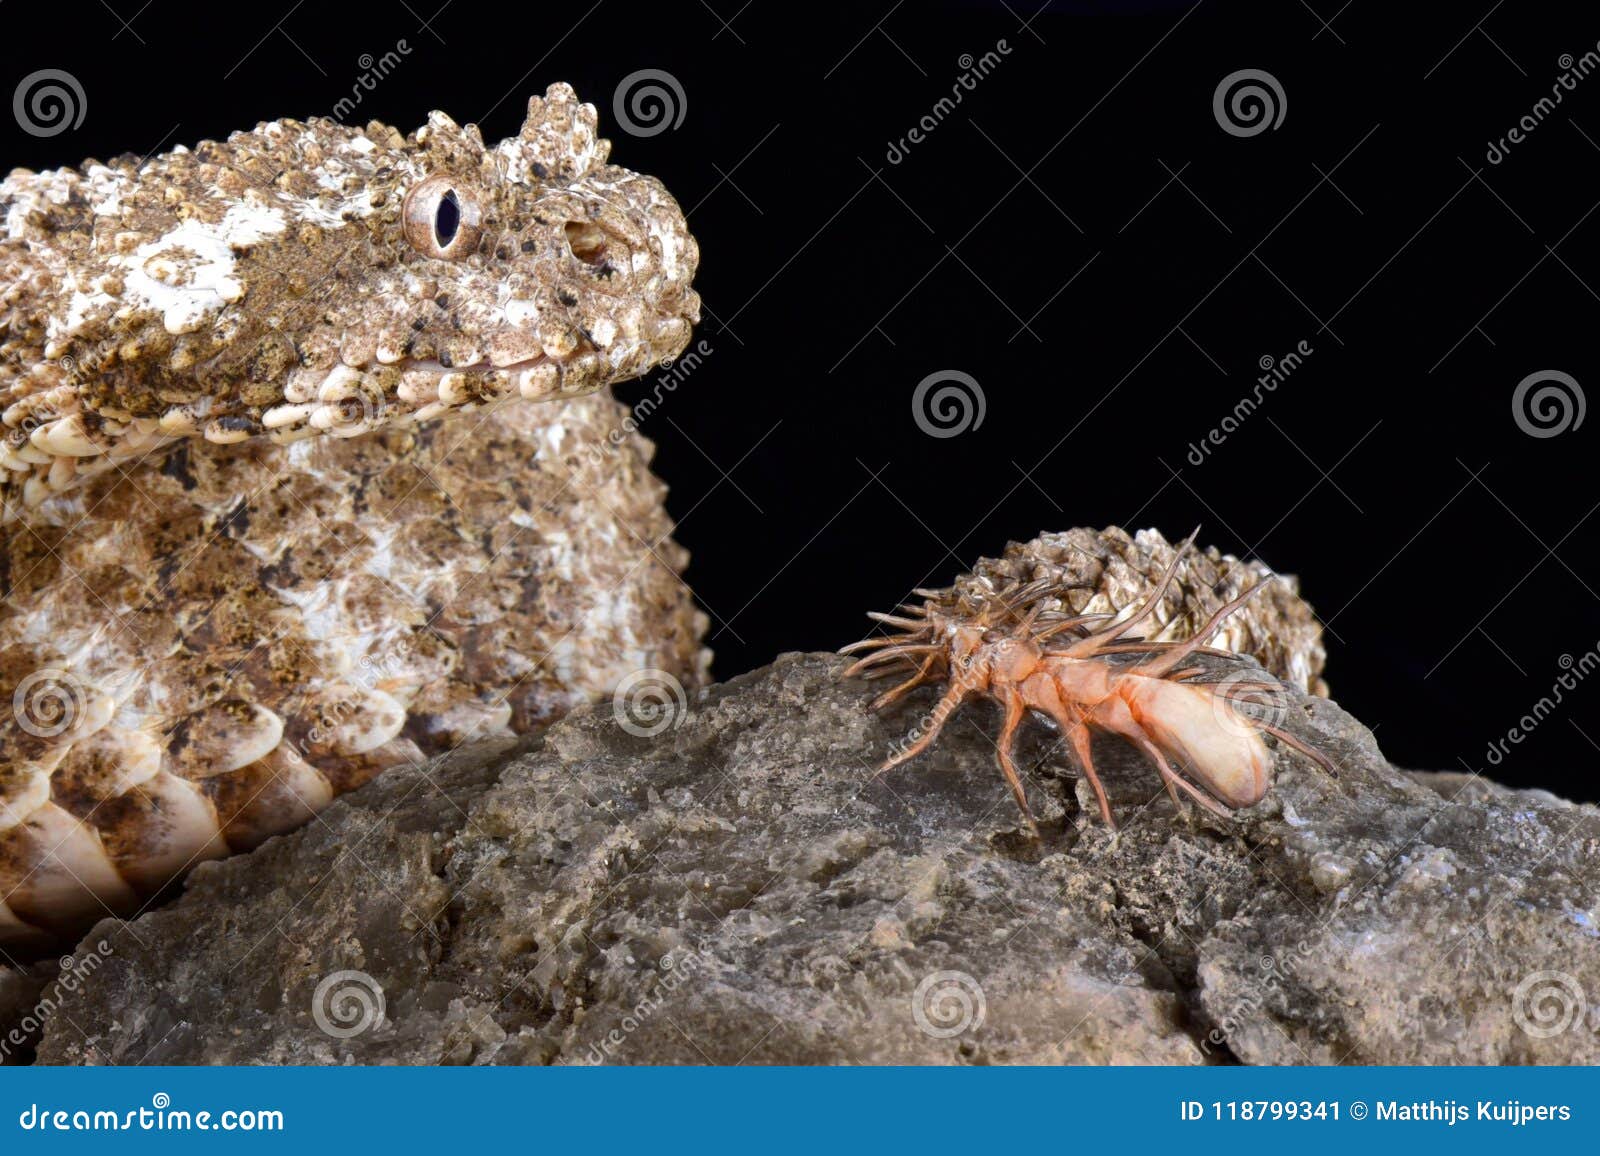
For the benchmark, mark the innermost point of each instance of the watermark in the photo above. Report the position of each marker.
(347, 1003)
(649, 102)
(19, 430)
(49, 102)
(1575, 671)
(973, 69)
(160, 1116)
(74, 368)
(1548, 403)
(383, 667)
(1249, 102)
(75, 970)
(674, 373)
(1274, 970)
(373, 69)
(330, 715)
(1548, 1004)
(1252, 688)
(49, 702)
(965, 677)
(649, 702)
(671, 974)
(1275, 371)
(350, 404)
(948, 1003)
(948, 403)
(1572, 71)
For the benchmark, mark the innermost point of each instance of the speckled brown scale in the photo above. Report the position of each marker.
(278, 512)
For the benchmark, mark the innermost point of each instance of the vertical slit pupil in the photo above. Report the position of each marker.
(447, 219)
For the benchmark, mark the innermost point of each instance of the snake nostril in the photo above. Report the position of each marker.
(587, 241)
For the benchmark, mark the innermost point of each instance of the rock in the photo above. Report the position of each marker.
(30, 993)
(20, 988)
(741, 886)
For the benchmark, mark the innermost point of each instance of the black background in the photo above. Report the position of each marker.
(1082, 237)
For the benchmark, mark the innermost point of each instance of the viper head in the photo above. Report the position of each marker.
(528, 268)
(312, 278)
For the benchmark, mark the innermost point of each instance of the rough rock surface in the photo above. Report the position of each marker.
(741, 887)
(20, 988)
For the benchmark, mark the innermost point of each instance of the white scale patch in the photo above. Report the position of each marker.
(520, 311)
(31, 193)
(186, 276)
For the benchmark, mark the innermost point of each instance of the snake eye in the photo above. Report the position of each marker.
(442, 218)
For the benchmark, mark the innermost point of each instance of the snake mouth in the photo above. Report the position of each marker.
(345, 402)
(349, 400)
(61, 450)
